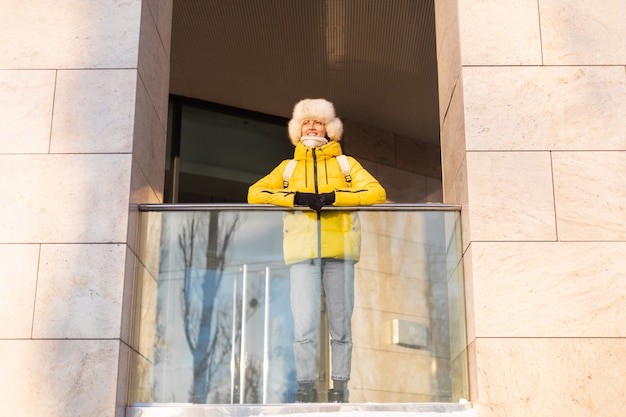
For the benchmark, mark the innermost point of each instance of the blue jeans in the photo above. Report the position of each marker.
(307, 278)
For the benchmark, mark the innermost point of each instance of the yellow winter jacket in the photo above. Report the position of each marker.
(318, 171)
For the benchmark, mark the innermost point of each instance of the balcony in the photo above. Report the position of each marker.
(213, 323)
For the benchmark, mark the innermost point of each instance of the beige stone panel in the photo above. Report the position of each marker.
(545, 108)
(457, 323)
(391, 255)
(556, 289)
(387, 293)
(589, 195)
(495, 32)
(94, 111)
(161, 11)
(583, 32)
(17, 286)
(145, 314)
(64, 198)
(154, 65)
(79, 291)
(128, 296)
(70, 34)
(405, 373)
(373, 329)
(148, 249)
(141, 193)
(358, 395)
(25, 95)
(453, 147)
(448, 51)
(149, 144)
(455, 190)
(423, 227)
(558, 377)
(123, 380)
(460, 378)
(511, 196)
(140, 383)
(58, 378)
(470, 298)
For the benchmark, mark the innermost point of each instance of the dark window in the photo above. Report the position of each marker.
(215, 152)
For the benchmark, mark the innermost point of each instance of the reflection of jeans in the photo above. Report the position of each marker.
(337, 277)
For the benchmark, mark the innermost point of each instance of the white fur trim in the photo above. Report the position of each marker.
(318, 109)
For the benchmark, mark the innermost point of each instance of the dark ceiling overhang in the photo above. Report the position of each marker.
(374, 59)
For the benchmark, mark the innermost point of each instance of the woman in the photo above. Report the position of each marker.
(321, 246)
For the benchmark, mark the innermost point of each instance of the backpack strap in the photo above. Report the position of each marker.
(343, 163)
(288, 172)
(345, 168)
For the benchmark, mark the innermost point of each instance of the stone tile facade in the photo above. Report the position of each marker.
(533, 144)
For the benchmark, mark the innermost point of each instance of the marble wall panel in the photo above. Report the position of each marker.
(453, 146)
(373, 329)
(549, 289)
(387, 293)
(561, 377)
(511, 196)
(581, 33)
(153, 63)
(395, 257)
(448, 51)
(544, 108)
(589, 195)
(128, 296)
(460, 378)
(360, 395)
(79, 291)
(145, 314)
(26, 95)
(58, 378)
(123, 380)
(64, 198)
(149, 142)
(162, 14)
(94, 111)
(140, 382)
(427, 228)
(70, 34)
(19, 280)
(148, 252)
(401, 373)
(470, 298)
(495, 32)
(456, 314)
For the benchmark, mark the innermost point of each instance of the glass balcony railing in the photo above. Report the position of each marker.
(213, 322)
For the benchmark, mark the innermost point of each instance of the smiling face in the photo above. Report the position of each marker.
(311, 127)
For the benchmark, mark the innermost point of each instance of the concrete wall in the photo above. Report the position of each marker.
(532, 97)
(83, 102)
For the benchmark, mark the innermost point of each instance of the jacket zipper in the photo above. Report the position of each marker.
(315, 172)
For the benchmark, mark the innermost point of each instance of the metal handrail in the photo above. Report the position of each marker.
(266, 207)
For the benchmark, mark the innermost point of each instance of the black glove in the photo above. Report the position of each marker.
(329, 198)
(314, 201)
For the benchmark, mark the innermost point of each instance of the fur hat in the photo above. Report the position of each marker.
(318, 109)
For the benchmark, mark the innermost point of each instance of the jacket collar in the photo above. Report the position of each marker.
(330, 150)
